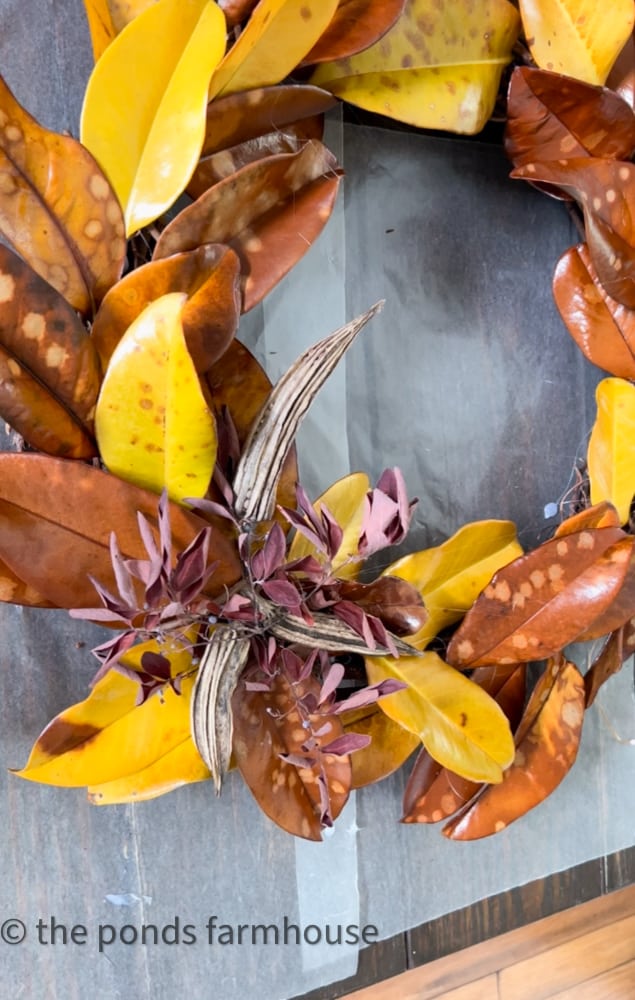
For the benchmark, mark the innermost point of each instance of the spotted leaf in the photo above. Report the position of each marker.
(547, 743)
(611, 452)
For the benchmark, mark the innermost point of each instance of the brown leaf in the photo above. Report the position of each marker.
(268, 724)
(603, 329)
(540, 602)
(57, 208)
(605, 190)
(433, 793)
(390, 744)
(622, 76)
(357, 24)
(601, 515)
(393, 600)
(56, 518)
(619, 647)
(547, 745)
(209, 275)
(49, 370)
(620, 610)
(270, 212)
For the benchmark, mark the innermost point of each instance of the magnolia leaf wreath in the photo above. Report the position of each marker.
(154, 471)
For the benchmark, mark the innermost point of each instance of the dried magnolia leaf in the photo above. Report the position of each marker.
(180, 766)
(270, 212)
(153, 424)
(153, 74)
(277, 424)
(268, 727)
(621, 79)
(618, 648)
(602, 327)
(356, 25)
(345, 500)
(460, 725)
(276, 38)
(65, 511)
(49, 370)
(106, 18)
(576, 37)
(394, 601)
(536, 605)
(602, 515)
(611, 452)
(209, 276)
(546, 747)
(75, 243)
(390, 744)
(451, 576)
(439, 66)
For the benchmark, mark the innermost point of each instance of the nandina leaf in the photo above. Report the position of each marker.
(433, 793)
(75, 243)
(605, 189)
(603, 329)
(65, 512)
(108, 735)
(551, 117)
(390, 744)
(611, 452)
(181, 765)
(144, 108)
(450, 576)
(345, 499)
(209, 276)
(576, 37)
(439, 66)
(543, 600)
(601, 515)
(268, 724)
(356, 25)
(269, 212)
(153, 424)
(49, 370)
(618, 648)
(394, 601)
(547, 743)
(460, 725)
(276, 38)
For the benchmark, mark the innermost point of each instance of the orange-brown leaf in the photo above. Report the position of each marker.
(619, 647)
(57, 208)
(601, 515)
(547, 745)
(356, 25)
(210, 277)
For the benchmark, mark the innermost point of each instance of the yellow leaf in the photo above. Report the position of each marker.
(439, 66)
(152, 423)
(460, 725)
(106, 18)
(277, 37)
(145, 105)
(390, 744)
(107, 736)
(611, 454)
(451, 576)
(180, 766)
(579, 38)
(345, 501)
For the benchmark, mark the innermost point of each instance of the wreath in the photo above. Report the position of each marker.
(154, 488)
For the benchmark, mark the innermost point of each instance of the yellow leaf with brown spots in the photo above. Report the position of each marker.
(49, 369)
(459, 724)
(57, 209)
(153, 424)
(611, 452)
(547, 743)
(579, 38)
(145, 103)
(450, 576)
(540, 602)
(276, 38)
(181, 765)
(439, 66)
(345, 499)
(108, 736)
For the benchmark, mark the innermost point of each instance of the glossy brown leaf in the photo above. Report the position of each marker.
(605, 190)
(57, 208)
(389, 598)
(356, 25)
(621, 79)
(56, 518)
(546, 747)
(620, 610)
(390, 744)
(602, 327)
(540, 602)
(270, 212)
(550, 117)
(601, 515)
(619, 647)
(13, 590)
(433, 793)
(238, 118)
(49, 370)
(210, 277)
(268, 724)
